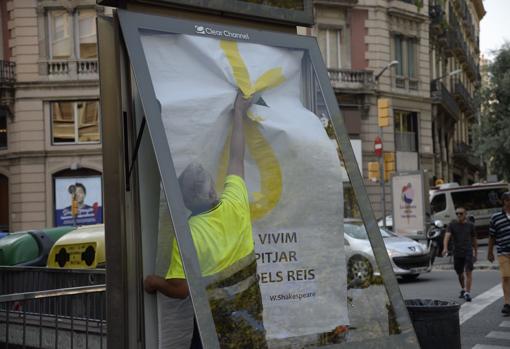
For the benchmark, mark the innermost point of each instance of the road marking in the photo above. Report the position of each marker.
(487, 346)
(479, 303)
(498, 335)
(505, 324)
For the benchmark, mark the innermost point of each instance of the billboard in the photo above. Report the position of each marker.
(189, 76)
(291, 167)
(408, 204)
(87, 194)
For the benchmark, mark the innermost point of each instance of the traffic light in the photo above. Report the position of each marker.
(384, 111)
(373, 171)
(389, 165)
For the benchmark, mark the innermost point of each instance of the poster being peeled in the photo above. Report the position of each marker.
(292, 170)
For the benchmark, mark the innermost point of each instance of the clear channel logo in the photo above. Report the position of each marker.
(203, 30)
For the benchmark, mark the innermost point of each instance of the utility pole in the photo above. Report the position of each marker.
(384, 113)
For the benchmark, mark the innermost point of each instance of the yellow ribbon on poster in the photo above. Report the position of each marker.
(261, 151)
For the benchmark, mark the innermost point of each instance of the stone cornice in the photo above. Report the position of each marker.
(6, 155)
(480, 9)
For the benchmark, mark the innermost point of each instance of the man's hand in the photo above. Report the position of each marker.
(241, 105)
(445, 252)
(490, 256)
(150, 283)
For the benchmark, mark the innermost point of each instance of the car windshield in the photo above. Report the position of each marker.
(358, 231)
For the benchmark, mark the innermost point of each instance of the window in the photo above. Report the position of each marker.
(75, 122)
(330, 45)
(87, 34)
(438, 203)
(3, 128)
(478, 199)
(405, 52)
(60, 37)
(399, 55)
(62, 44)
(406, 131)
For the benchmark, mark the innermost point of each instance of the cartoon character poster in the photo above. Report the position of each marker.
(78, 201)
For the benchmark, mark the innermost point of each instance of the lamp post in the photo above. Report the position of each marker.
(452, 73)
(381, 157)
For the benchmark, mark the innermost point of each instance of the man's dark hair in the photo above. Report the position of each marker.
(78, 184)
(505, 196)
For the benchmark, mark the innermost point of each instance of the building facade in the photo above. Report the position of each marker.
(359, 39)
(50, 150)
(455, 80)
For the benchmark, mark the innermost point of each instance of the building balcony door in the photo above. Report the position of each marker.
(4, 203)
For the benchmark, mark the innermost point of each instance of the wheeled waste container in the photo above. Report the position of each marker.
(30, 248)
(435, 322)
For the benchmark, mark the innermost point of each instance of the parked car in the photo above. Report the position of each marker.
(83, 248)
(31, 247)
(408, 258)
(480, 201)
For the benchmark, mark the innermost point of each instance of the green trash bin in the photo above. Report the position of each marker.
(29, 248)
(435, 322)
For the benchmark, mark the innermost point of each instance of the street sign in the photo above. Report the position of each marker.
(378, 147)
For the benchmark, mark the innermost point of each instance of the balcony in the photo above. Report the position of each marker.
(441, 95)
(7, 80)
(463, 152)
(351, 79)
(438, 22)
(464, 99)
(81, 69)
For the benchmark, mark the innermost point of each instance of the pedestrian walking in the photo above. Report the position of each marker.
(465, 250)
(499, 235)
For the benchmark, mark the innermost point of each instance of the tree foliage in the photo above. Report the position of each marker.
(492, 135)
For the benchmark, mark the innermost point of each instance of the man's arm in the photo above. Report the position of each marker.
(236, 161)
(490, 249)
(445, 242)
(492, 240)
(175, 288)
(474, 242)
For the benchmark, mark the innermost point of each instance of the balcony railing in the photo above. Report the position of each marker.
(464, 98)
(405, 141)
(7, 72)
(441, 95)
(464, 152)
(351, 78)
(81, 69)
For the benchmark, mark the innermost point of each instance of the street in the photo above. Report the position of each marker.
(482, 324)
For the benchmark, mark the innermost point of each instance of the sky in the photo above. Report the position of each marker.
(495, 26)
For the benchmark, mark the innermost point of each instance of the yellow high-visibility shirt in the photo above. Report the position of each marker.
(222, 235)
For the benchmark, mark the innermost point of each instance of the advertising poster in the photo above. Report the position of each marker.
(408, 204)
(88, 196)
(291, 168)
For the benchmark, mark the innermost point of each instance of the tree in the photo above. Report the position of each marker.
(492, 135)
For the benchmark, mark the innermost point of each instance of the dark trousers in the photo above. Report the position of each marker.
(196, 342)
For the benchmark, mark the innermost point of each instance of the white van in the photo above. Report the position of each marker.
(479, 200)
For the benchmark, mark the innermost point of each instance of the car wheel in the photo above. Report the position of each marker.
(410, 277)
(360, 270)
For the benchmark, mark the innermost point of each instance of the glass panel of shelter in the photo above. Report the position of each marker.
(289, 284)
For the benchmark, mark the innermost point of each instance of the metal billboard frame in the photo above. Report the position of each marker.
(240, 8)
(131, 24)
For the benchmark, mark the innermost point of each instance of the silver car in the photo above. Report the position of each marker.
(408, 258)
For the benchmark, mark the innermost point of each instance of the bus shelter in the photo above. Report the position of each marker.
(171, 74)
